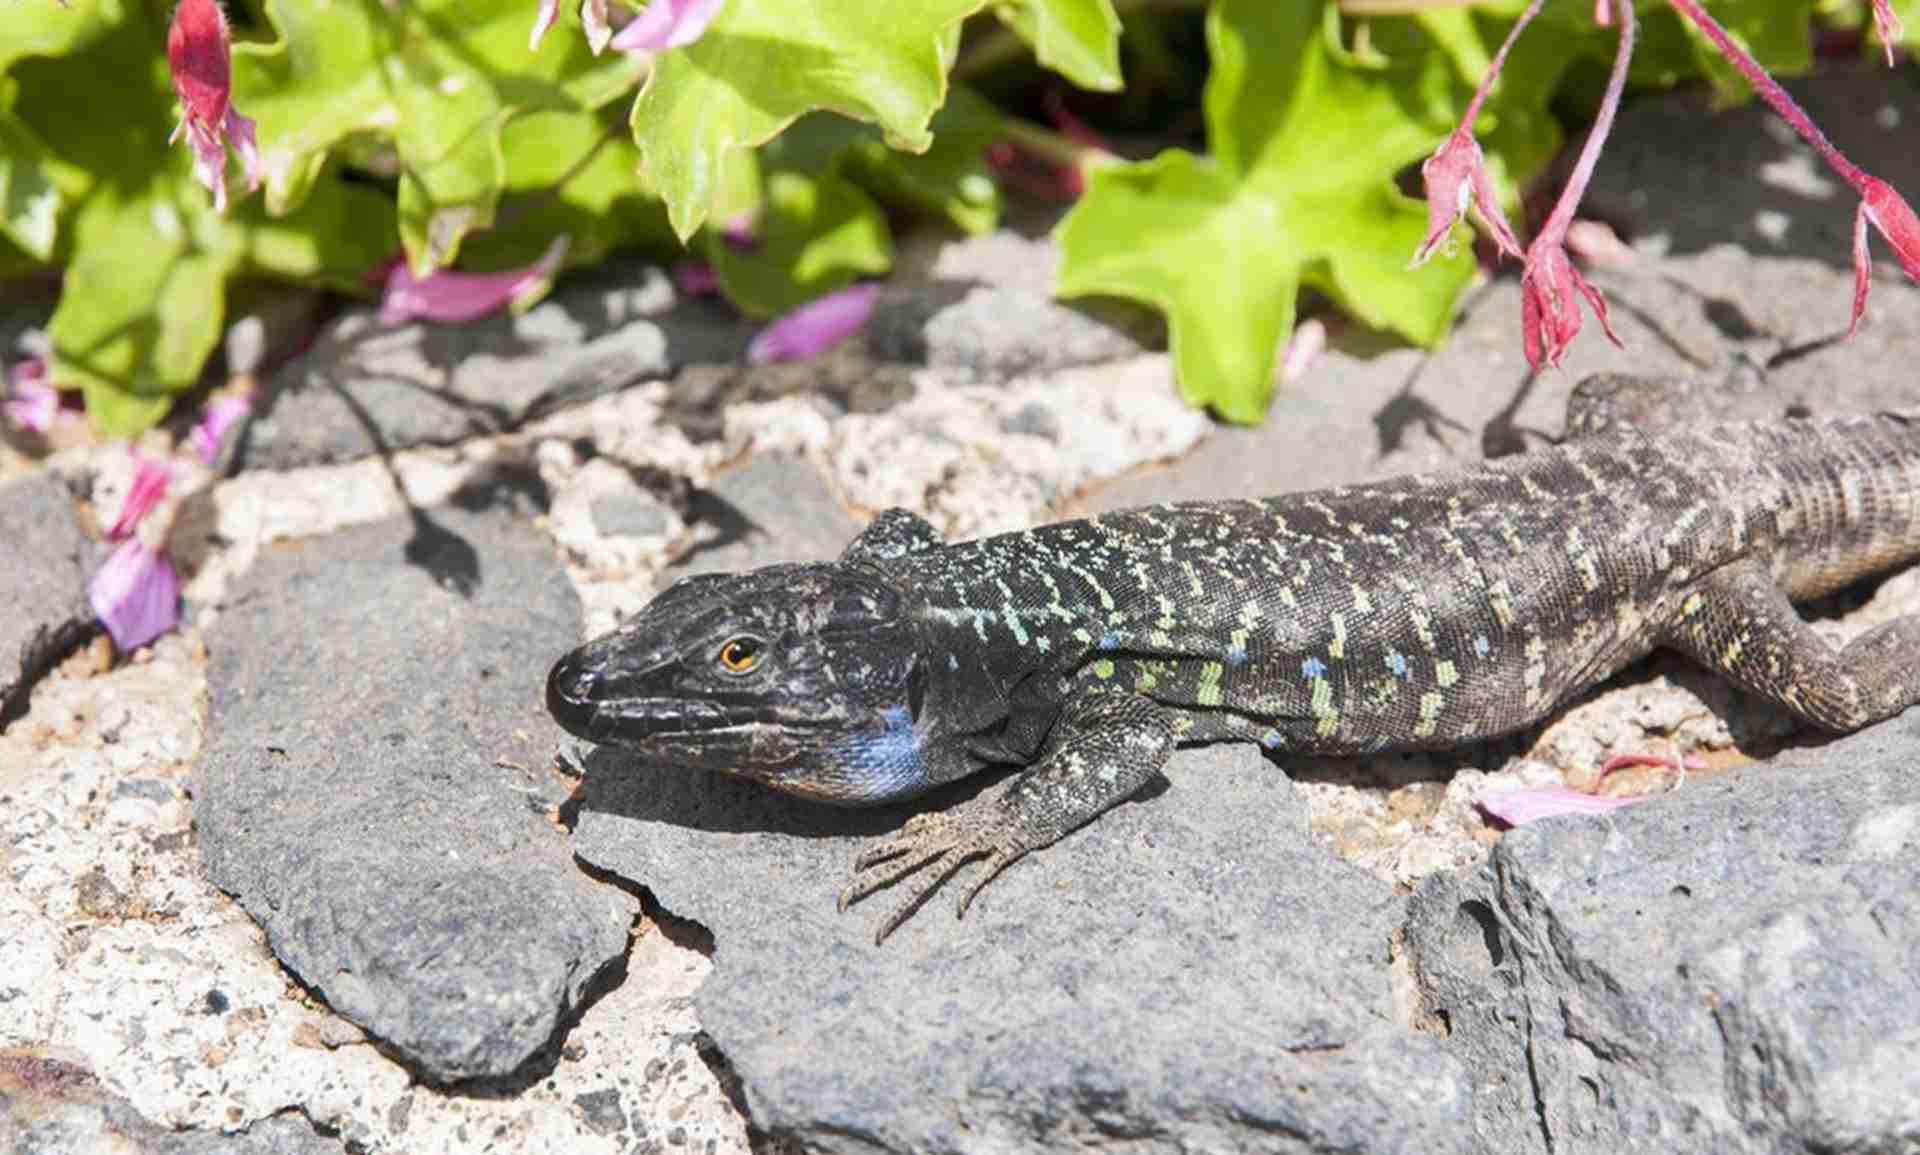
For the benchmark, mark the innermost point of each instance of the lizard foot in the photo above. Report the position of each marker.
(940, 841)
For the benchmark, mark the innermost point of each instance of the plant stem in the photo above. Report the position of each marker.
(1770, 91)
(1052, 146)
(1499, 62)
(1563, 209)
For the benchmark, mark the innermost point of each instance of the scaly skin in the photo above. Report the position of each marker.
(1419, 612)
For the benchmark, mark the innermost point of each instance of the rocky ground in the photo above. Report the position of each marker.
(306, 876)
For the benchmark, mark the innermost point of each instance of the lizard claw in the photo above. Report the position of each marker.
(927, 840)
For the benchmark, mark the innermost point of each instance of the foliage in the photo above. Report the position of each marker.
(429, 131)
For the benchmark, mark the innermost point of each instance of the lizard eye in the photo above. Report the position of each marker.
(739, 655)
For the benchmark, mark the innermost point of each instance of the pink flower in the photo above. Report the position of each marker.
(135, 595)
(816, 326)
(31, 402)
(1549, 306)
(1519, 807)
(665, 24)
(197, 53)
(219, 414)
(1888, 26)
(1884, 209)
(1455, 169)
(150, 481)
(455, 297)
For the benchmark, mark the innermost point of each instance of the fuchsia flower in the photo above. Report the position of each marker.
(31, 403)
(1550, 292)
(150, 481)
(1458, 168)
(197, 53)
(449, 296)
(1519, 807)
(136, 595)
(1884, 209)
(816, 326)
(665, 24)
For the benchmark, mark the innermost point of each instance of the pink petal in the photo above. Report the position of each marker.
(816, 326)
(593, 18)
(665, 24)
(150, 481)
(31, 402)
(1623, 761)
(695, 278)
(135, 595)
(452, 297)
(1519, 807)
(209, 162)
(542, 20)
(218, 416)
(1309, 340)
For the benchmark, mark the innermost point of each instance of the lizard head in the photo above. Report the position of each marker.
(801, 677)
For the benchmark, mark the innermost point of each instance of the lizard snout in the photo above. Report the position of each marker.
(570, 688)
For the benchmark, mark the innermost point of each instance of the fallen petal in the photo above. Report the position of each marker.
(1309, 340)
(665, 24)
(219, 414)
(150, 481)
(1624, 760)
(453, 297)
(136, 595)
(1519, 807)
(816, 326)
(31, 402)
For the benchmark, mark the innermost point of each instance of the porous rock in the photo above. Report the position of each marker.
(376, 785)
(1728, 968)
(365, 387)
(1191, 972)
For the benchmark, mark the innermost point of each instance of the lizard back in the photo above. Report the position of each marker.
(1433, 609)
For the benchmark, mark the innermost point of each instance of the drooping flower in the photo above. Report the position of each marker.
(665, 24)
(593, 18)
(31, 403)
(1519, 807)
(449, 296)
(150, 482)
(219, 414)
(1880, 205)
(1455, 176)
(1885, 210)
(1550, 292)
(816, 326)
(198, 51)
(136, 595)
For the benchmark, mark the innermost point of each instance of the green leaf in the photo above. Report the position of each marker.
(1079, 39)
(51, 30)
(440, 78)
(763, 63)
(29, 200)
(1299, 190)
(813, 235)
(950, 180)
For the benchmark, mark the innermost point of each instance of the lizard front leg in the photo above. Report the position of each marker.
(1739, 623)
(1104, 746)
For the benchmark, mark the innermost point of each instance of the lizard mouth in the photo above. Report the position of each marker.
(577, 699)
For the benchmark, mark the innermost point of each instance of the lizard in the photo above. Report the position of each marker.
(1418, 612)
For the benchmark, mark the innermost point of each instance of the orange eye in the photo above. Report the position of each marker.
(739, 655)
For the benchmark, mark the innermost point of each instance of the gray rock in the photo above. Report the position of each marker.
(631, 513)
(366, 388)
(774, 507)
(43, 585)
(1731, 968)
(984, 306)
(376, 785)
(52, 1107)
(1191, 972)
